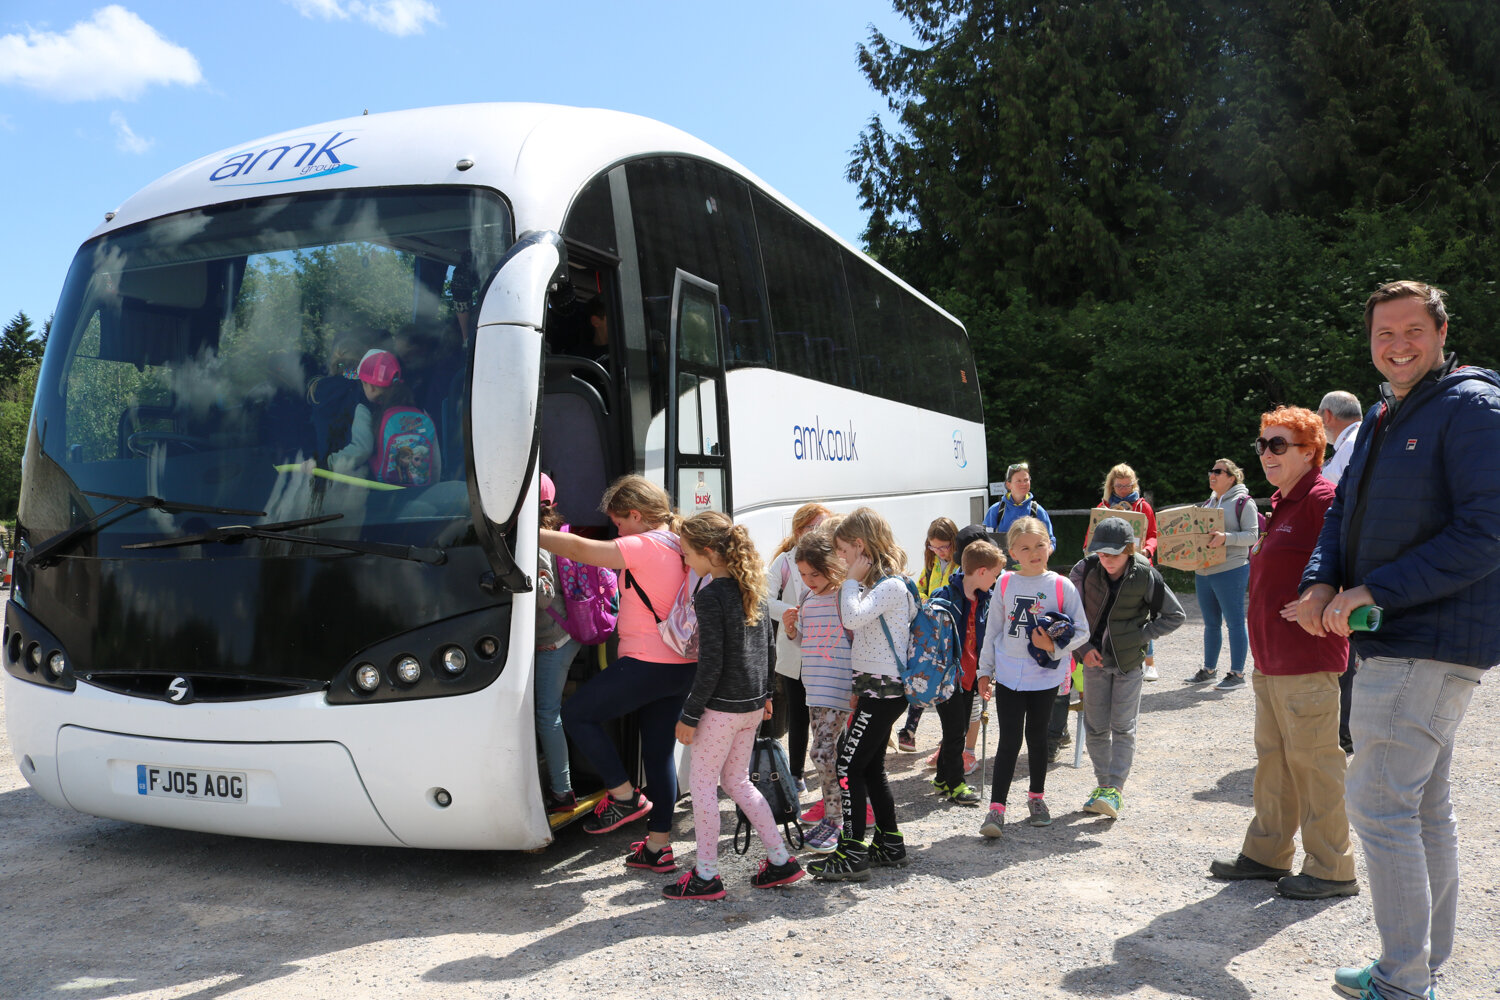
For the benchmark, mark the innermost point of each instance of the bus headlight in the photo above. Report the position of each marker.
(57, 663)
(454, 660)
(408, 670)
(367, 677)
(34, 655)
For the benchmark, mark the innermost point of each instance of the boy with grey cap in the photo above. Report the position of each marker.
(1127, 604)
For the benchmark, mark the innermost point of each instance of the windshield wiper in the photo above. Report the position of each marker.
(49, 551)
(233, 534)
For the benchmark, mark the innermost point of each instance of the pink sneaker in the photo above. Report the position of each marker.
(932, 761)
(971, 762)
(815, 813)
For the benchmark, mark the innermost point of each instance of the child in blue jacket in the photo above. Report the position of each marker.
(968, 591)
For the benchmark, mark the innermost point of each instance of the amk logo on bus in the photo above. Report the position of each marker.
(296, 161)
(812, 443)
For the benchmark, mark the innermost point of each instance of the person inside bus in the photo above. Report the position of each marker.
(598, 332)
(648, 678)
(404, 447)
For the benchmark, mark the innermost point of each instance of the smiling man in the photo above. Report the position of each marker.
(1415, 529)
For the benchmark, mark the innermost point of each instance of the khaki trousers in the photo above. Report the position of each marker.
(1299, 776)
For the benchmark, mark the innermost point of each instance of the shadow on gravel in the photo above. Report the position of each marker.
(1185, 953)
(1235, 787)
(1175, 699)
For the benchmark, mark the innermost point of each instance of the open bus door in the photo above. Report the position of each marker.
(697, 443)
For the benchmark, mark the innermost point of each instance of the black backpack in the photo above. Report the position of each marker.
(771, 772)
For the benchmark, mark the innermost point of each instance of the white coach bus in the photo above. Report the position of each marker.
(219, 624)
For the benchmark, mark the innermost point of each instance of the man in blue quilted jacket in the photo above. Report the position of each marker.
(1415, 529)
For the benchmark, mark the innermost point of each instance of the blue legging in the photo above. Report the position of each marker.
(655, 692)
(1221, 599)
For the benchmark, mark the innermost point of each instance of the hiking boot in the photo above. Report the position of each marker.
(823, 838)
(1040, 815)
(994, 822)
(1203, 676)
(888, 850)
(690, 886)
(850, 862)
(641, 856)
(1242, 869)
(611, 814)
(906, 741)
(962, 794)
(773, 875)
(1356, 982)
(1306, 886)
(1231, 682)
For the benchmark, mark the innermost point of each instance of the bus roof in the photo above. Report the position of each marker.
(539, 156)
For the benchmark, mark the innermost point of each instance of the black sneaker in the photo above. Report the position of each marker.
(1231, 682)
(962, 794)
(690, 886)
(561, 804)
(611, 814)
(850, 862)
(1203, 676)
(773, 875)
(1241, 869)
(888, 850)
(641, 856)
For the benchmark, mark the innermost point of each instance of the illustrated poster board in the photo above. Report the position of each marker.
(1134, 518)
(1182, 535)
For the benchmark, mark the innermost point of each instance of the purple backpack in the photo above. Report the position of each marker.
(591, 596)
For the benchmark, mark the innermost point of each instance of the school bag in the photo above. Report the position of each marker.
(591, 598)
(928, 667)
(771, 774)
(679, 629)
(405, 447)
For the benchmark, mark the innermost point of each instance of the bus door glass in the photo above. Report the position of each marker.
(697, 447)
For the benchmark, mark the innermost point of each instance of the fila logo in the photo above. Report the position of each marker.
(1411, 444)
(179, 690)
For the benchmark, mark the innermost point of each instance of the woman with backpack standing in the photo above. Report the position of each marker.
(1221, 588)
(649, 677)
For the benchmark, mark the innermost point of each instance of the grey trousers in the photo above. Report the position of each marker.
(1111, 706)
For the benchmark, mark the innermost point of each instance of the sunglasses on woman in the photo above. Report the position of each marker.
(1276, 446)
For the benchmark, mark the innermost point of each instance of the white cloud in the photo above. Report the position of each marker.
(113, 55)
(125, 138)
(395, 17)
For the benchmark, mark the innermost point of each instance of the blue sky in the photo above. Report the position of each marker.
(97, 100)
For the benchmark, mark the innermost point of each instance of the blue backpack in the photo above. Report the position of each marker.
(405, 448)
(929, 670)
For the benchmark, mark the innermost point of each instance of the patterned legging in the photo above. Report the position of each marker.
(722, 747)
(827, 726)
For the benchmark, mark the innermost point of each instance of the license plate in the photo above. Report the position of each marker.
(190, 783)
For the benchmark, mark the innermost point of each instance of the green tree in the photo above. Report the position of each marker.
(19, 346)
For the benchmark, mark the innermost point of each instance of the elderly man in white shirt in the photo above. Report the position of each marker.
(1340, 414)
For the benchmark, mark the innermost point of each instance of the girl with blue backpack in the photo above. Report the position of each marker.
(877, 604)
(405, 440)
(1036, 620)
(730, 697)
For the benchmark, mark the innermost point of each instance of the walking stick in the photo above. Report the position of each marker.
(984, 740)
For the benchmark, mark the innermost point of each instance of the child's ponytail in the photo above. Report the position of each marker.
(713, 532)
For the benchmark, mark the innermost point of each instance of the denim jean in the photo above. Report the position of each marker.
(1405, 715)
(551, 675)
(655, 692)
(1221, 599)
(1111, 708)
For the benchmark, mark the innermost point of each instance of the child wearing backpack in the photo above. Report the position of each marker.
(1127, 604)
(827, 676)
(730, 696)
(877, 604)
(1037, 620)
(787, 591)
(938, 563)
(555, 649)
(968, 592)
(405, 440)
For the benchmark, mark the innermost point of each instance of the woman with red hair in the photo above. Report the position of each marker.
(1299, 769)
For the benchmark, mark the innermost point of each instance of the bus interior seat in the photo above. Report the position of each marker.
(577, 406)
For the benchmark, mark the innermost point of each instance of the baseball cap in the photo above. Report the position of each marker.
(549, 492)
(379, 368)
(1112, 536)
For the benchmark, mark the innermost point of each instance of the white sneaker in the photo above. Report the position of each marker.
(1149, 674)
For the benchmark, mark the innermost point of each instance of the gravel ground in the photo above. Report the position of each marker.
(1084, 908)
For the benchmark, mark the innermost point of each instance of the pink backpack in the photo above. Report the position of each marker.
(591, 596)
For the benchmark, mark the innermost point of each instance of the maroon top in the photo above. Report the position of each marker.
(1276, 564)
